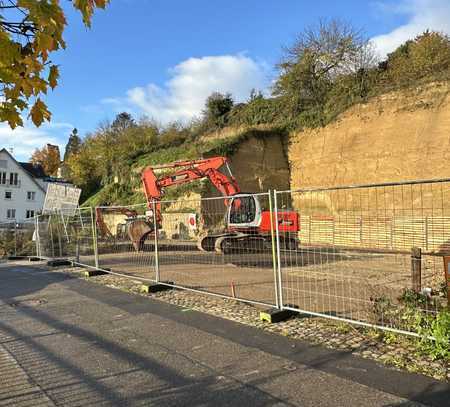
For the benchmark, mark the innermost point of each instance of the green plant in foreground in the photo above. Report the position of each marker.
(435, 334)
(343, 328)
(389, 337)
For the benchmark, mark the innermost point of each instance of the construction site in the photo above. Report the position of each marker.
(224, 204)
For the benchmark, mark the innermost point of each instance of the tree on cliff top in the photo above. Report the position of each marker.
(426, 56)
(217, 108)
(30, 31)
(319, 57)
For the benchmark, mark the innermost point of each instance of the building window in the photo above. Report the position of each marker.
(3, 164)
(31, 195)
(8, 195)
(11, 214)
(3, 178)
(30, 214)
(13, 178)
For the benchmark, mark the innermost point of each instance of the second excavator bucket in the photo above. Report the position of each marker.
(138, 231)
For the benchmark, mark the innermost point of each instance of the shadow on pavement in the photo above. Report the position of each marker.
(42, 362)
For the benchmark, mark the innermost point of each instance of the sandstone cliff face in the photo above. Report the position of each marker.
(399, 136)
(261, 164)
(394, 137)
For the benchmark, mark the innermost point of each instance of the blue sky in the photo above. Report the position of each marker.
(163, 57)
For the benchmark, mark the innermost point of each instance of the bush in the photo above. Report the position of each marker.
(435, 334)
(427, 56)
(257, 111)
(173, 135)
(217, 109)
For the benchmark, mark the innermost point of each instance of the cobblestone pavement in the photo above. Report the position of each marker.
(397, 351)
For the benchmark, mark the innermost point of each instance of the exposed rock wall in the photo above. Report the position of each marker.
(398, 136)
(261, 164)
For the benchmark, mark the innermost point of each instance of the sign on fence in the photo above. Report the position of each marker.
(61, 197)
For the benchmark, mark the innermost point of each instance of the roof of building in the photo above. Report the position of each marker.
(29, 174)
(36, 170)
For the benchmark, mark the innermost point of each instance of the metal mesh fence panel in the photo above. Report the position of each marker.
(355, 259)
(117, 252)
(78, 236)
(17, 238)
(199, 250)
(49, 236)
(68, 235)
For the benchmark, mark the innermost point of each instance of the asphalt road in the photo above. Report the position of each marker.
(67, 342)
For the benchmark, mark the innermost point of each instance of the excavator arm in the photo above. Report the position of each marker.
(185, 172)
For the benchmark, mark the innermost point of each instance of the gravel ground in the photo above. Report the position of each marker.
(397, 351)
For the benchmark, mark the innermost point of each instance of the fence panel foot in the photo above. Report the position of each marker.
(151, 288)
(12, 258)
(93, 273)
(275, 315)
(59, 262)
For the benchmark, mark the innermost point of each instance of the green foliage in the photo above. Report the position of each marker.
(413, 313)
(435, 334)
(258, 110)
(26, 73)
(318, 60)
(112, 194)
(217, 108)
(410, 298)
(389, 337)
(424, 57)
(343, 328)
(73, 144)
(106, 156)
(332, 67)
(174, 135)
(123, 122)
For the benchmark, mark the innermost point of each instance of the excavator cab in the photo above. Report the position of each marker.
(244, 211)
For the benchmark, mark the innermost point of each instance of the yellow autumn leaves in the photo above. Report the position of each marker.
(25, 45)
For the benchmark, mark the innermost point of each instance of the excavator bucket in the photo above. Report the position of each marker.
(138, 232)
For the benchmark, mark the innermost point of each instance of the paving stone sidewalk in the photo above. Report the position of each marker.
(397, 351)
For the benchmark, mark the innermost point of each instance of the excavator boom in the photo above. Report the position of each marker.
(188, 171)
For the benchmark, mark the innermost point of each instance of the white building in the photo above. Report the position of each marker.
(22, 188)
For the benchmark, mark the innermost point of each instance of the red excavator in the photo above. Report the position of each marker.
(248, 226)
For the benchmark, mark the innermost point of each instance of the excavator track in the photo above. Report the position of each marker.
(233, 243)
(208, 243)
(241, 243)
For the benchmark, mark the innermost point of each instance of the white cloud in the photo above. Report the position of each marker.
(191, 82)
(24, 140)
(422, 15)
